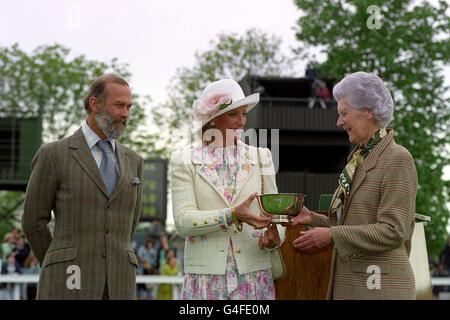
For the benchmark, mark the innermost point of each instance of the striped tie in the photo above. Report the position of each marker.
(107, 168)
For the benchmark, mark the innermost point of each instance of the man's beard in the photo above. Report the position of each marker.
(106, 123)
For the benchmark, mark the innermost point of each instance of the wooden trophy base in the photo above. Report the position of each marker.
(306, 275)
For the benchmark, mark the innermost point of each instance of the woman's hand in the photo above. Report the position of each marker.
(245, 214)
(313, 241)
(271, 238)
(304, 217)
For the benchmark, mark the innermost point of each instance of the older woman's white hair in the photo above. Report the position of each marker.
(366, 90)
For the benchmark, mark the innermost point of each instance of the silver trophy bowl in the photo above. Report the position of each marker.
(281, 206)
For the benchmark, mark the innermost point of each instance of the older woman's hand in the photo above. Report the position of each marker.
(245, 214)
(304, 217)
(313, 241)
(271, 238)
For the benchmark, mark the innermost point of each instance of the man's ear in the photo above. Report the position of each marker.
(94, 103)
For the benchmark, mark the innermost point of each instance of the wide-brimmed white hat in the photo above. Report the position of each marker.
(220, 97)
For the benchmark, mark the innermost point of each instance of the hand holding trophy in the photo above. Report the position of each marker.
(282, 207)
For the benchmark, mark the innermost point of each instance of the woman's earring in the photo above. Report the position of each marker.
(212, 124)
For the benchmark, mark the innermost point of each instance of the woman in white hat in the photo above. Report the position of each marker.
(214, 184)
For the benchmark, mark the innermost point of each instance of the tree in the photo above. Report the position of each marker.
(231, 56)
(51, 82)
(407, 44)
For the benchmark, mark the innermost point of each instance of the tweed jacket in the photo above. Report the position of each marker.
(373, 237)
(92, 231)
(198, 218)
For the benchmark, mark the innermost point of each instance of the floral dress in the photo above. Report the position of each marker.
(256, 285)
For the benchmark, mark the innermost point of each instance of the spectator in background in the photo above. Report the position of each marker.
(169, 268)
(322, 91)
(439, 271)
(156, 227)
(177, 243)
(21, 251)
(310, 73)
(444, 256)
(162, 251)
(148, 255)
(10, 267)
(31, 266)
(141, 290)
(7, 246)
(319, 92)
(16, 235)
(169, 254)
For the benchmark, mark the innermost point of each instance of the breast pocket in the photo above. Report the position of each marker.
(132, 257)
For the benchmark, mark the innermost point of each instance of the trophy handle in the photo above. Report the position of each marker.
(262, 208)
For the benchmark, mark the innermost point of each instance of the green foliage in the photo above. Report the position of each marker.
(10, 203)
(408, 51)
(52, 82)
(231, 56)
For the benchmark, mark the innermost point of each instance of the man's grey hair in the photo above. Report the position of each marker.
(366, 90)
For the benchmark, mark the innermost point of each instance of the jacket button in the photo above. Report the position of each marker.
(104, 254)
(107, 231)
(216, 219)
(108, 209)
(195, 224)
(238, 251)
(206, 221)
(235, 231)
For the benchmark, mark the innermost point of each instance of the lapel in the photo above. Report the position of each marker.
(368, 164)
(206, 165)
(82, 154)
(206, 168)
(247, 160)
(333, 216)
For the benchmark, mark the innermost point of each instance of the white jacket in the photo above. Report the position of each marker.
(198, 219)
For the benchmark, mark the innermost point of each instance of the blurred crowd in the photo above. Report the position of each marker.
(441, 268)
(157, 252)
(17, 258)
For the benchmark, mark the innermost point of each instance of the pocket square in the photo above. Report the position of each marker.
(136, 181)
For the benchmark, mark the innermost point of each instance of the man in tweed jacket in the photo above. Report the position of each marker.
(89, 255)
(371, 229)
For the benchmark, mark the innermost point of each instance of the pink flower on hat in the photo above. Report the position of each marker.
(211, 104)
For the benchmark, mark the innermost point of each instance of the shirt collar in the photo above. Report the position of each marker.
(92, 138)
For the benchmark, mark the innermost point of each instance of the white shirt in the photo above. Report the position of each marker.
(92, 138)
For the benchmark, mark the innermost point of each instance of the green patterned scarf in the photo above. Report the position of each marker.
(346, 177)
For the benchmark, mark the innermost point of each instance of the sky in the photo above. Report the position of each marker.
(153, 37)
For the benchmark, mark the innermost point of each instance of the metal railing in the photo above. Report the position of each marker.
(177, 281)
(17, 280)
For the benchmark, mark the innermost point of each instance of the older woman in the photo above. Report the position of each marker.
(213, 188)
(371, 217)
